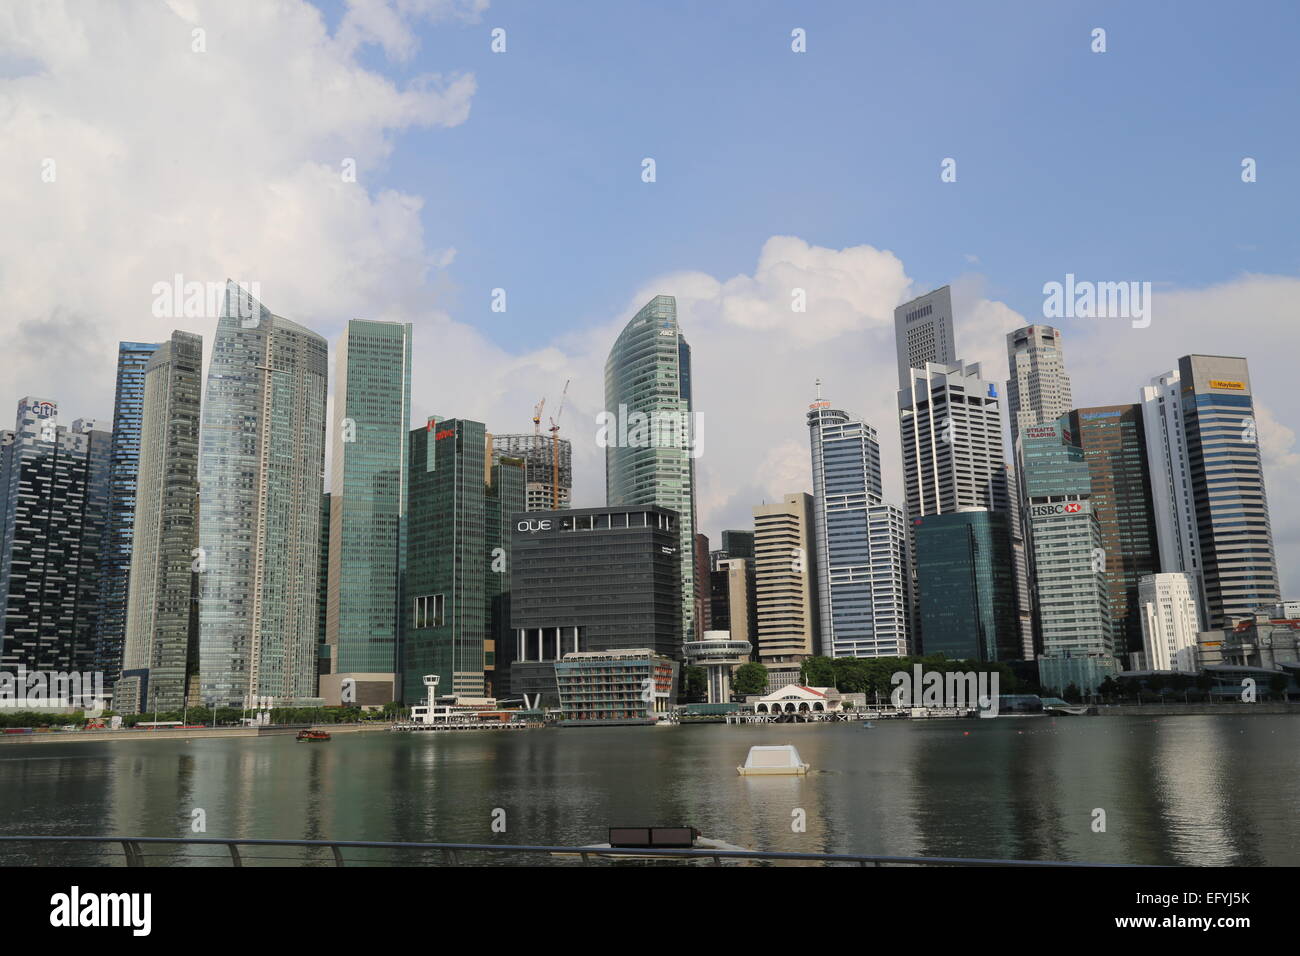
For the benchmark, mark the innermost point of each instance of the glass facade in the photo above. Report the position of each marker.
(457, 560)
(262, 458)
(967, 589)
(1113, 440)
(115, 556)
(861, 568)
(54, 483)
(372, 420)
(163, 583)
(1239, 571)
(649, 373)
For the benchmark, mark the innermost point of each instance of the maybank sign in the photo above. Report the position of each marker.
(1230, 386)
(1061, 508)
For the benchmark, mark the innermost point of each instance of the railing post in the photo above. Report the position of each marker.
(235, 859)
(132, 851)
(338, 855)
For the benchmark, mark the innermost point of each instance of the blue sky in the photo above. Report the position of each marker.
(1121, 164)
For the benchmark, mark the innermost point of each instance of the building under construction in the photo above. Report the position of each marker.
(540, 468)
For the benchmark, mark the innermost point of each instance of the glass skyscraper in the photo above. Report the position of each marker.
(367, 548)
(457, 557)
(261, 465)
(650, 447)
(967, 588)
(115, 555)
(861, 541)
(1226, 474)
(54, 484)
(160, 646)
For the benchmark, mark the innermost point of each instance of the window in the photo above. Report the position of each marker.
(429, 611)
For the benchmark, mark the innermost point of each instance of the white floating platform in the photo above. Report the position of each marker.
(782, 759)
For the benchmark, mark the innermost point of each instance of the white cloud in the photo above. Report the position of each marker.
(227, 163)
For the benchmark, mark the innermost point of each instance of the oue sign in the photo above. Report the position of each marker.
(533, 525)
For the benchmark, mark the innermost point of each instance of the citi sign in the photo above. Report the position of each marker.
(1064, 508)
(533, 525)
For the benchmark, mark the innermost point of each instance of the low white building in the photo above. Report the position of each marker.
(1170, 615)
(809, 701)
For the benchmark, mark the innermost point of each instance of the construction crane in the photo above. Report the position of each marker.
(555, 450)
(537, 417)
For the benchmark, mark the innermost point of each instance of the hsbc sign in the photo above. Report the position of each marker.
(1061, 508)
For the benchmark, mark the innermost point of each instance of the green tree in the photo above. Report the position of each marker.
(750, 678)
(695, 684)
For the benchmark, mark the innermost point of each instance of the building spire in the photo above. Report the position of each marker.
(819, 389)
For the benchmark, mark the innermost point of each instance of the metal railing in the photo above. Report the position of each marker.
(454, 854)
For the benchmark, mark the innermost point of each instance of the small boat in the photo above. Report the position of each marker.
(313, 735)
(782, 759)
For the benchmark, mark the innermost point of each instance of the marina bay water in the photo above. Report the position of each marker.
(1207, 790)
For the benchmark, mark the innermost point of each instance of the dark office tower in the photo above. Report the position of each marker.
(1018, 529)
(115, 554)
(738, 544)
(457, 560)
(54, 493)
(1113, 440)
(372, 418)
(322, 588)
(703, 596)
(261, 459)
(967, 589)
(649, 429)
(548, 464)
(156, 662)
(505, 496)
(923, 333)
(592, 579)
(1239, 570)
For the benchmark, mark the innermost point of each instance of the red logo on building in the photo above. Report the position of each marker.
(1072, 508)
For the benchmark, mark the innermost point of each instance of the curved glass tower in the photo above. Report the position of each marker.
(260, 477)
(650, 447)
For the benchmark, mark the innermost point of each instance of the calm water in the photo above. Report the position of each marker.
(1176, 790)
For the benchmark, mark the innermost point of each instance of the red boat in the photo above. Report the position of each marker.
(313, 735)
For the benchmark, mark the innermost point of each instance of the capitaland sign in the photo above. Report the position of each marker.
(1060, 508)
(533, 525)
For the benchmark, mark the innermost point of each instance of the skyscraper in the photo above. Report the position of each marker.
(862, 543)
(372, 419)
(1226, 475)
(457, 556)
(967, 588)
(1171, 620)
(115, 555)
(785, 581)
(923, 333)
(1171, 489)
(160, 647)
(1114, 446)
(548, 463)
(261, 463)
(1038, 391)
(54, 492)
(1065, 535)
(650, 446)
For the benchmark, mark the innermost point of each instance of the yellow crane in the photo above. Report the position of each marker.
(537, 416)
(555, 450)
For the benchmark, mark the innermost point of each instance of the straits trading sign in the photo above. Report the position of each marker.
(1065, 508)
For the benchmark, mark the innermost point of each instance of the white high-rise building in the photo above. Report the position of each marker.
(1171, 489)
(1170, 620)
(1038, 390)
(923, 333)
